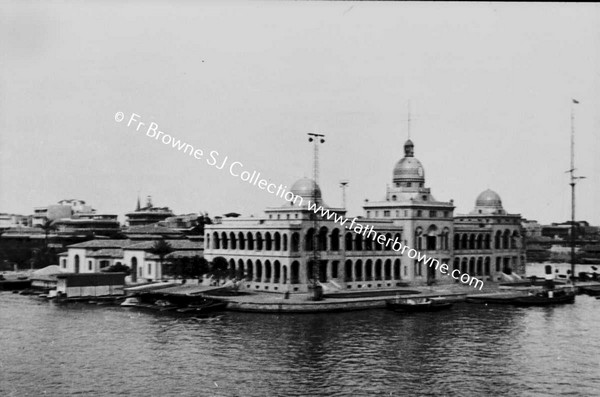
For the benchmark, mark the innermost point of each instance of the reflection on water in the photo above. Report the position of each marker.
(472, 350)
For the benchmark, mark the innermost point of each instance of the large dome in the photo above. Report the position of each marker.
(489, 198)
(409, 169)
(307, 189)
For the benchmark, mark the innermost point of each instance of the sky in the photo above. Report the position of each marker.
(490, 87)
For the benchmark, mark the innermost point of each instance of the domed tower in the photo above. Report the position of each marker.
(409, 171)
(307, 189)
(489, 203)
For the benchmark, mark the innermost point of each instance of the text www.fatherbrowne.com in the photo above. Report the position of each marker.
(236, 169)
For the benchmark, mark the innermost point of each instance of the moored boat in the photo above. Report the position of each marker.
(208, 307)
(546, 298)
(591, 290)
(418, 305)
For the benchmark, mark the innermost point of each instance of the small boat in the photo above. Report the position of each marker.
(165, 305)
(591, 290)
(131, 302)
(418, 305)
(545, 298)
(203, 308)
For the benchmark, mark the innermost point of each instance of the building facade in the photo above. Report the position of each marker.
(96, 255)
(276, 252)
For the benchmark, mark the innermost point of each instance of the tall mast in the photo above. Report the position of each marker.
(572, 183)
(316, 139)
(408, 120)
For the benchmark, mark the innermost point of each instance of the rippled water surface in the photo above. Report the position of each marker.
(472, 350)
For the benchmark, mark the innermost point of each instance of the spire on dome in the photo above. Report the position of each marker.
(409, 149)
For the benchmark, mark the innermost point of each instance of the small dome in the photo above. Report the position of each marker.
(307, 189)
(489, 198)
(409, 169)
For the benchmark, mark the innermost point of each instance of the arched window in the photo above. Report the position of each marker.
(277, 241)
(249, 271)
(224, 240)
(241, 241)
(431, 238)
(378, 265)
(285, 242)
(259, 243)
(388, 243)
(250, 238)
(231, 269)
(335, 240)
(397, 275)
(232, 241)
(472, 241)
(464, 242)
(323, 239)
(268, 242)
(259, 271)
(348, 241)
(472, 266)
(309, 240)
(295, 242)
(368, 244)
(216, 242)
(479, 267)
(387, 269)
(369, 270)
(456, 241)
(295, 273)
(334, 269)
(276, 272)
(268, 273)
(487, 266)
(514, 240)
(506, 239)
(464, 266)
(358, 242)
(479, 241)
(348, 271)
(358, 271)
(240, 271)
(418, 242)
(498, 240)
(488, 240)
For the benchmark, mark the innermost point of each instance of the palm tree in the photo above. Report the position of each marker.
(161, 248)
(47, 226)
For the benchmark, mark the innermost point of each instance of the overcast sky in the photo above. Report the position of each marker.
(490, 87)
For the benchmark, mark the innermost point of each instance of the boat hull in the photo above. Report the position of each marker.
(419, 307)
(543, 301)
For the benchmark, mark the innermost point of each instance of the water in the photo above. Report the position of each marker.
(472, 350)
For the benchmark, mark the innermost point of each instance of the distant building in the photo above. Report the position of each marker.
(531, 228)
(97, 255)
(8, 221)
(89, 224)
(152, 232)
(64, 209)
(147, 215)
